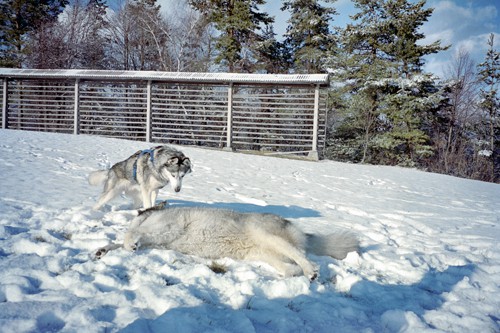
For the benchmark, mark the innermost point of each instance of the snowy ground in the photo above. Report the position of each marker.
(430, 258)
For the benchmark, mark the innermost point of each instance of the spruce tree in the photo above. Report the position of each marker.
(489, 76)
(240, 23)
(272, 56)
(382, 65)
(19, 17)
(308, 34)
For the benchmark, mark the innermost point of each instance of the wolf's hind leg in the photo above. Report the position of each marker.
(285, 269)
(105, 198)
(283, 248)
(111, 190)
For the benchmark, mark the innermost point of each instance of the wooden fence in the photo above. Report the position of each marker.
(276, 114)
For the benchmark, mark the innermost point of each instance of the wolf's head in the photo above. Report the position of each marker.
(173, 166)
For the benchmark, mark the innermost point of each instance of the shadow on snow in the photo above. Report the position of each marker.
(322, 310)
(291, 211)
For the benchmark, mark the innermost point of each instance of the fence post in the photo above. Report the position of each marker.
(4, 103)
(313, 154)
(229, 117)
(76, 115)
(148, 111)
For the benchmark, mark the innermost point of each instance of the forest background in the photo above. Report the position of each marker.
(385, 106)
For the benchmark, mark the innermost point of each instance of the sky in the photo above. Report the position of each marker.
(462, 24)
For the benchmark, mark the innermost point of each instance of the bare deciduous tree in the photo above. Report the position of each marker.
(461, 111)
(74, 41)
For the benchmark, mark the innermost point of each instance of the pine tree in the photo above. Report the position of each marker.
(272, 56)
(19, 17)
(382, 65)
(489, 75)
(308, 34)
(239, 23)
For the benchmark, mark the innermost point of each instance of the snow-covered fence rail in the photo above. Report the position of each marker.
(273, 113)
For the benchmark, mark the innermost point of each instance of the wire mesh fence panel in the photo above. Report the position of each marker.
(189, 114)
(113, 109)
(2, 103)
(272, 113)
(38, 105)
(274, 119)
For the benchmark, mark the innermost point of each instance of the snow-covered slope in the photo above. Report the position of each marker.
(430, 256)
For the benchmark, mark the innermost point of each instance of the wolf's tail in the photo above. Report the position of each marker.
(98, 177)
(336, 245)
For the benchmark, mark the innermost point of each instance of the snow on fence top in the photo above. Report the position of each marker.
(185, 77)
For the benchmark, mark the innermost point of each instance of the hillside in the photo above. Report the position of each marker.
(430, 259)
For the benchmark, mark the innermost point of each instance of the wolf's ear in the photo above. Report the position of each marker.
(187, 163)
(173, 161)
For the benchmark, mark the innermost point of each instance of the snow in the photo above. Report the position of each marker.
(430, 258)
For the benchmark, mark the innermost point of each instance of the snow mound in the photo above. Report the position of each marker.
(430, 257)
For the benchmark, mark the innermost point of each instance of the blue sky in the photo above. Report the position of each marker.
(463, 24)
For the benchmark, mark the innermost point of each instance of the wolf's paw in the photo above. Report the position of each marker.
(313, 276)
(131, 241)
(131, 245)
(312, 272)
(101, 253)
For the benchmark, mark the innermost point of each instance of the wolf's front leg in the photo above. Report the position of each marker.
(105, 249)
(131, 241)
(154, 195)
(146, 198)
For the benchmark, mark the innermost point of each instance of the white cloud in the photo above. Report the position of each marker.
(465, 25)
(446, 36)
(459, 21)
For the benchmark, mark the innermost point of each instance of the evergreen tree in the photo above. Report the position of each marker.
(489, 75)
(19, 17)
(272, 56)
(382, 65)
(240, 23)
(308, 35)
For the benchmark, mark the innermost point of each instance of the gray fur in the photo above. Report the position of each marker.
(217, 233)
(141, 176)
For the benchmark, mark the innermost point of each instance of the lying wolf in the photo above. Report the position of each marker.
(217, 233)
(142, 175)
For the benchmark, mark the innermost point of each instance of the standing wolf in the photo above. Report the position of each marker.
(217, 233)
(142, 175)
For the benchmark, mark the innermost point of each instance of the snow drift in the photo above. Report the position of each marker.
(430, 257)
